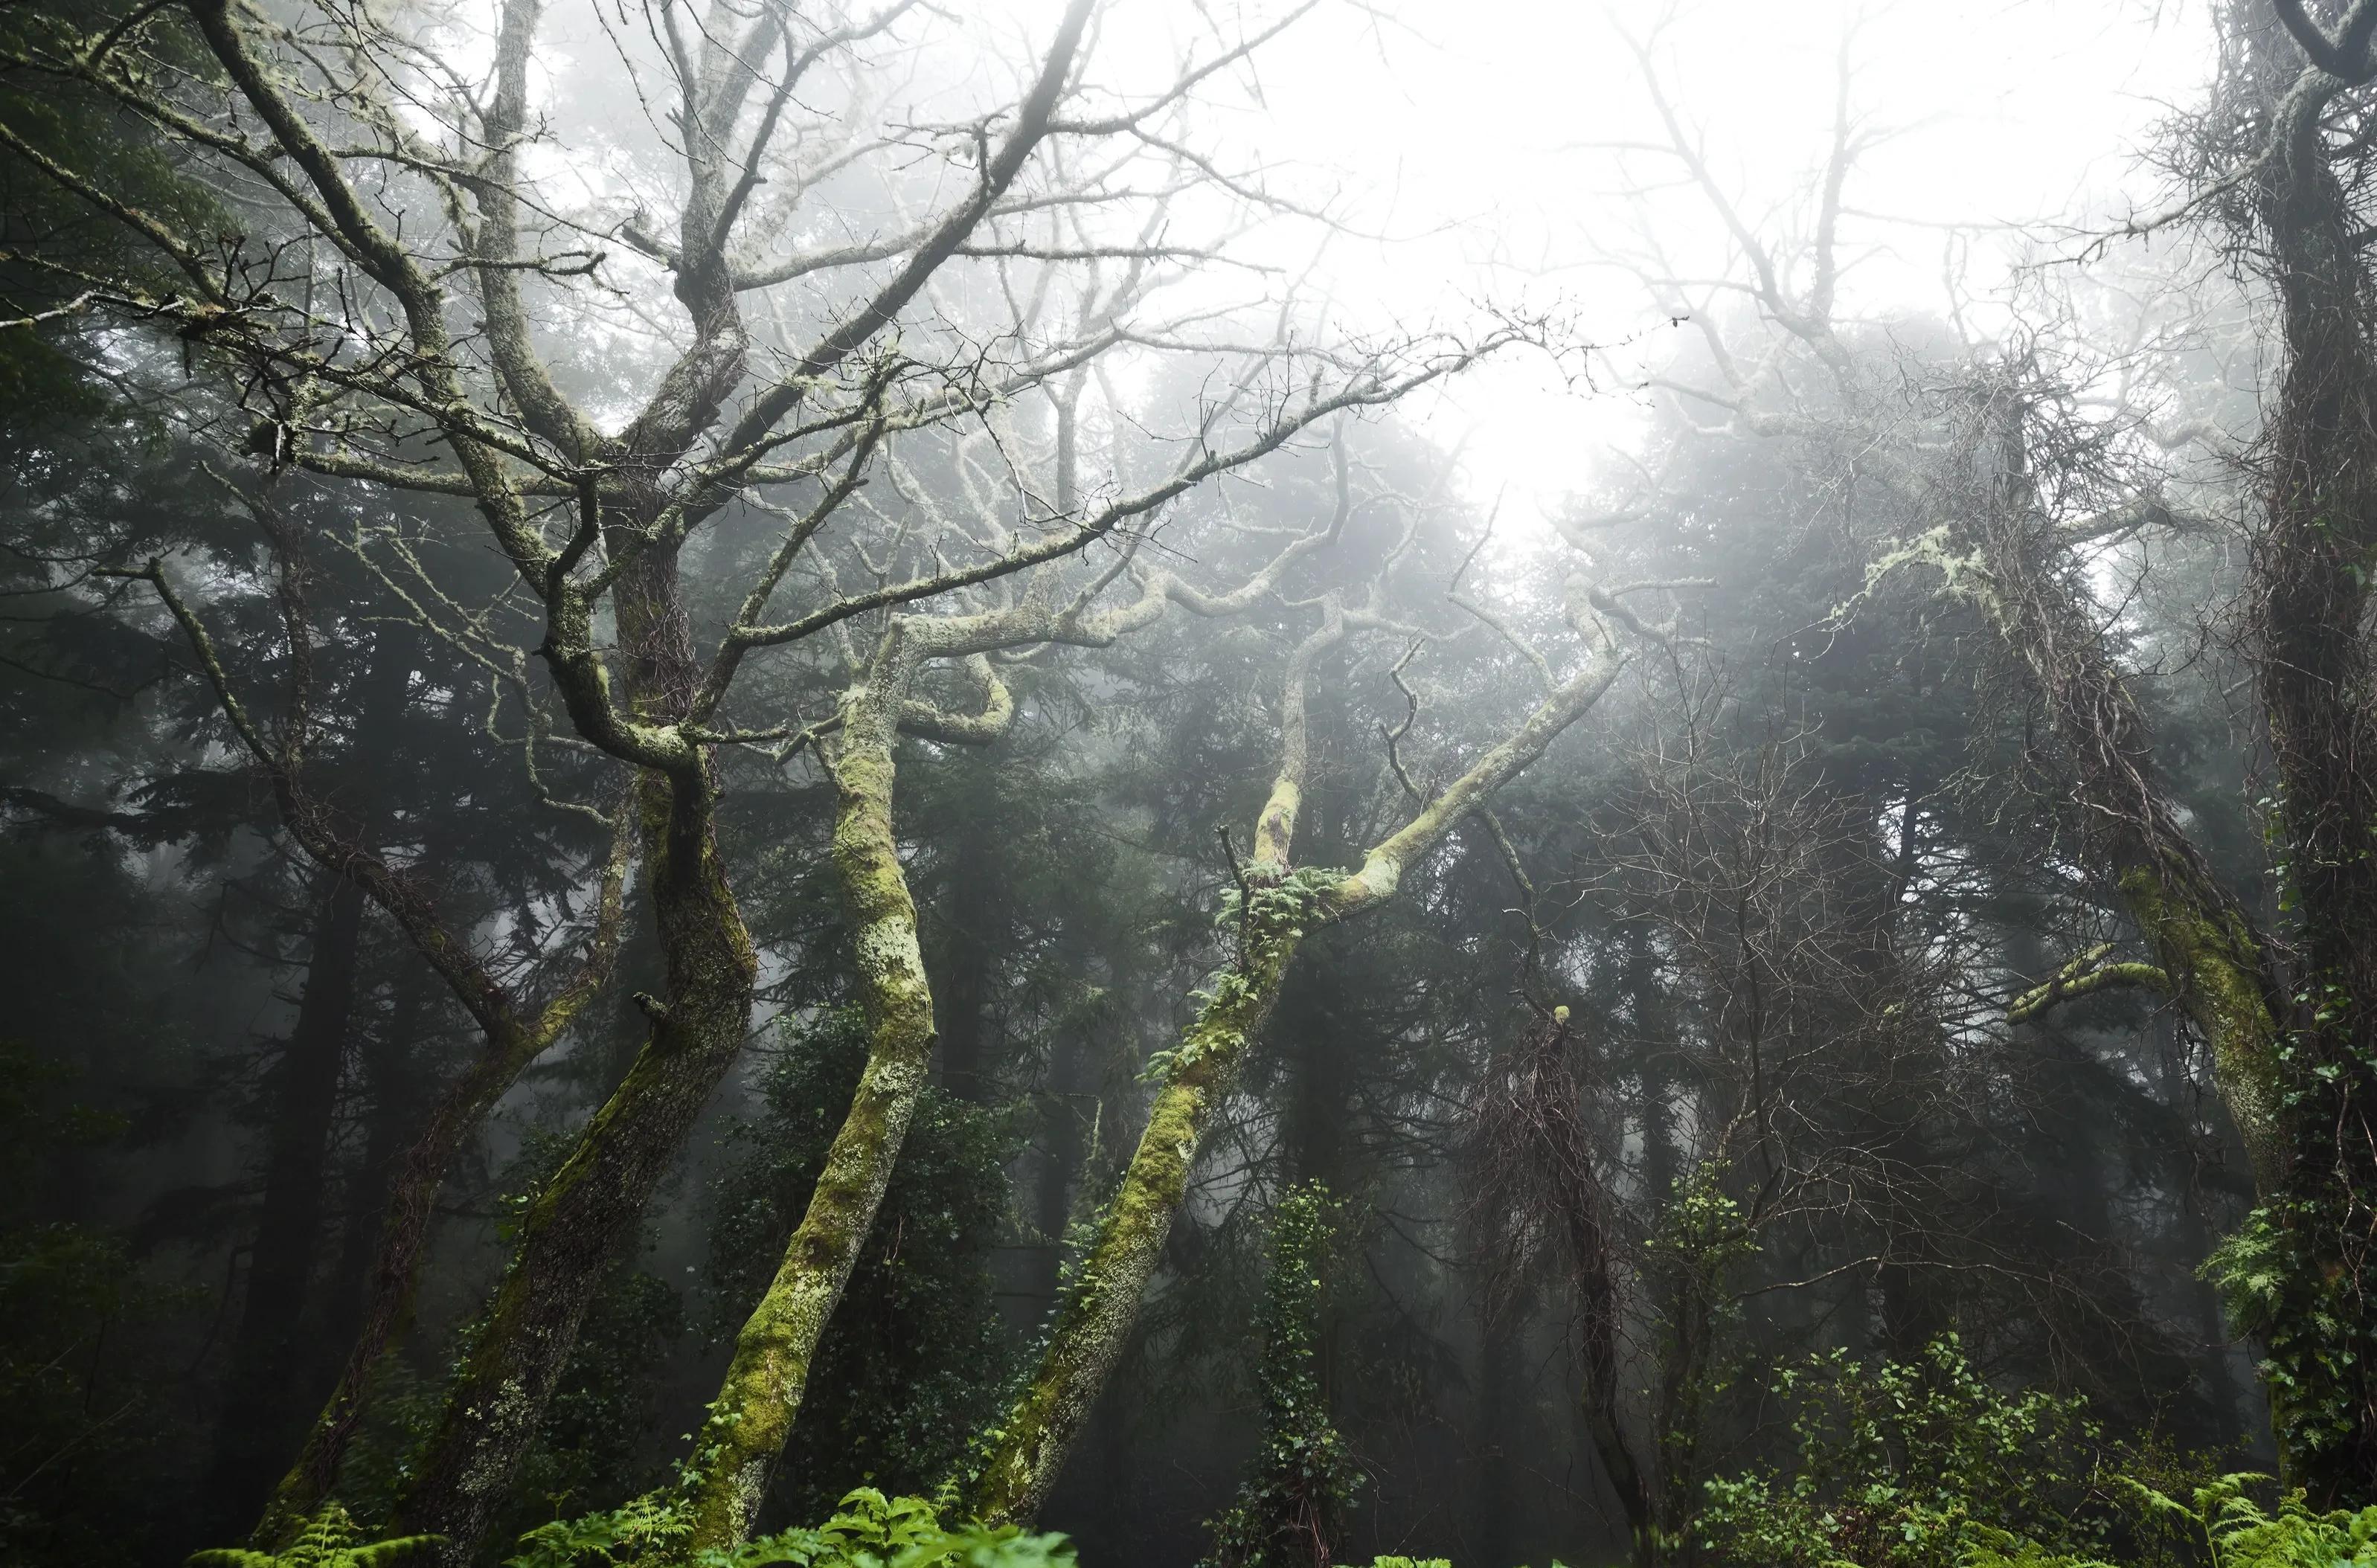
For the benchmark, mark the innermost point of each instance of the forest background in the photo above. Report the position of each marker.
(1268, 783)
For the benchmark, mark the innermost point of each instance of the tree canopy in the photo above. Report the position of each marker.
(780, 792)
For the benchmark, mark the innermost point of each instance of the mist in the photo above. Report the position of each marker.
(1081, 781)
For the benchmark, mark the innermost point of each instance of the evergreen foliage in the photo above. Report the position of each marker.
(372, 524)
(62, 1288)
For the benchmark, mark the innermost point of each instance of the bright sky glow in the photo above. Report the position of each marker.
(1492, 153)
(1481, 133)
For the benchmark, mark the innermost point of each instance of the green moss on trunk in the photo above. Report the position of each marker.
(583, 1217)
(757, 1403)
(1024, 1454)
(2215, 957)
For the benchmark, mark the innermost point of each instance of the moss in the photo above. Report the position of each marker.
(2084, 975)
(2216, 962)
(572, 1232)
(2205, 948)
(1020, 1459)
(752, 1417)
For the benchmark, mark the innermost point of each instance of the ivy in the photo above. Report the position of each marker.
(2317, 1340)
(1290, 1508)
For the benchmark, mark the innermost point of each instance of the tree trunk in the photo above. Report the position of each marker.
(586, 1215)
(392, 1086)
(406, 1184)
(303, 1092)
(760, 1394)
(1095, 1318)
(2213, 957)
(268, 1383)
(1097, 1315)
(2307, 617)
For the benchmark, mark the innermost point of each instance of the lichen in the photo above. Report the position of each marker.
(751, 1420)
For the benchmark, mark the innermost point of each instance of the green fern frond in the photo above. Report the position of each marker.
(329, 1539)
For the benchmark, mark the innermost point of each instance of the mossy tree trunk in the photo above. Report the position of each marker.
(2308, 616)
(512, 1036)
(508, 1045)
(2028, 583)
(1025, 1456)
(2295, 1066)
(760, 1395)
(583, 1217)
(1103, 1299)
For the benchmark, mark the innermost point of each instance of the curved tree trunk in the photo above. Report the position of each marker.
(761, 1393)
(586, 1215)
(2210, 953)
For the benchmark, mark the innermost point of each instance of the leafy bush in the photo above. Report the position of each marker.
(871, 1530)
(1910, 1464)
(2223, 1525)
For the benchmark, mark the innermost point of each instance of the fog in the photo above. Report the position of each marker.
(1074, 781)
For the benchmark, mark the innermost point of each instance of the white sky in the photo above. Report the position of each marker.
(1476, 129)
(1477, 132)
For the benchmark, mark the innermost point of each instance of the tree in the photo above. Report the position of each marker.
(335, 326)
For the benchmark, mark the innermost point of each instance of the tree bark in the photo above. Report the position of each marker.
(586, 1214)
(2308, 613)
(2212, 955)
(1098, 1311)
(761, 1393)
(1026, 1455)
(304, 1091)
(393, 1088)
(269, 1383)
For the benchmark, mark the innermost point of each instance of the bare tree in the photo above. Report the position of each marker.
(435, 290)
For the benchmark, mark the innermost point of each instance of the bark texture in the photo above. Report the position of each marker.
(1023, 1457)
(760, 1396)
(587, 1213)
(2308, 612)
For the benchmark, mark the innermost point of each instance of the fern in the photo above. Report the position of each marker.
(2232, 1528)
(869, 1530)
(328, 1540)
